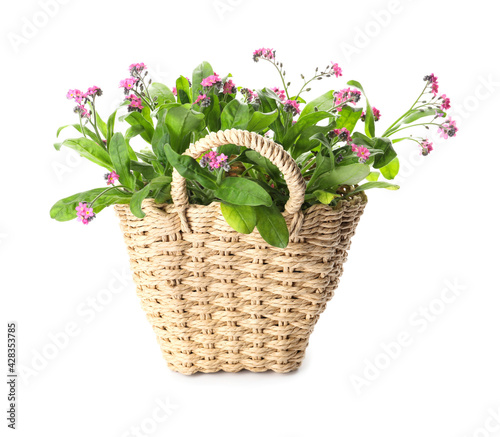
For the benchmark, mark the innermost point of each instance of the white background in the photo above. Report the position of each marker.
(438, 229)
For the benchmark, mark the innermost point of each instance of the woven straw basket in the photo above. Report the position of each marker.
(220, 300)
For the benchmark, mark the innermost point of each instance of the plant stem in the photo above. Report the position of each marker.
(105, 191)
(412, 125)
(404, 115)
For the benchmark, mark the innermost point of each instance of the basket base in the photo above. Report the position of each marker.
(218, 365)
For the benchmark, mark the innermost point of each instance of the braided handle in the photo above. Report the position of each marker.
(267, 148)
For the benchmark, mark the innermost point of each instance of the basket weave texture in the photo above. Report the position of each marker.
(220, 300)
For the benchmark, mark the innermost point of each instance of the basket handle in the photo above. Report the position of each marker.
(267, 148)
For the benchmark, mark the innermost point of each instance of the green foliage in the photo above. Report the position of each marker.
(250, 187)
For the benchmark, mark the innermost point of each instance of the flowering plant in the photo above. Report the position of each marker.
(320, 135)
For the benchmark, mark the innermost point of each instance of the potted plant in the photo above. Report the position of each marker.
(238, 205)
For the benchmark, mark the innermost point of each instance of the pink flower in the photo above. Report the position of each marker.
(433, 81)
(448, 129)
(174, 91)
(82, 111)
(264, 54)
(214, 161)
(342, 97)
(280, 93)
(229, 87)
(362, 152)
(291, 106)
(137, 68)
(445, 104)
(426, 147)
(94, 91)
(211, 81)
(203, 100)
(376, 114)
(111, 178)
(343, 134)
(336, 69)
(249, 95)
(83, 213)
(135, 103)
(77, 95)
(129, 83)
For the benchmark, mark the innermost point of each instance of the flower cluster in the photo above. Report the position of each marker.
(280, 93)
(342, 134)
(229, 87)
(291, 106)
(448, 128)
(111, 178)
(82, 98)
(135, 103)
(203, 100)
(426, 147)
(215, 161)
(432, 80)
(337, 71)
(445, 104)
(137, 68)
(84, 214)
(81, 111)
(344, 96)
(128, 84)
(269, 54)
(212, 81)
(376, 114)
(249, 95)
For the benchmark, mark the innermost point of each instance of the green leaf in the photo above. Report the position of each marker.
(241, 218)
(85, 131)
(190, 169)
(120, 158)
(420, 114)
(261, 120)
(136, 201)
(348, 118)
(110, 127)
(136, 118)
(272, 226)
(161, 92)
(147, 170)
(101, 125)
(304, 143)
(390, 171)
(369, 119)
(325, 197)
(322, 103)
(88, 149)
(302, 123)
(388, 155)
(343, 175)
(200, 72)
(373, 176)
(64, 209)
(264, 164)
(241, 191)
(160, 182)
(369, 185)
(133, 131)
(235, 115)
(181, 122)
(183, 91)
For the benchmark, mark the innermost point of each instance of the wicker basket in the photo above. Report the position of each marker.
(219, 300)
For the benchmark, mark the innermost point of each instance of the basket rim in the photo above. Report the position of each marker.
(359, 198)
